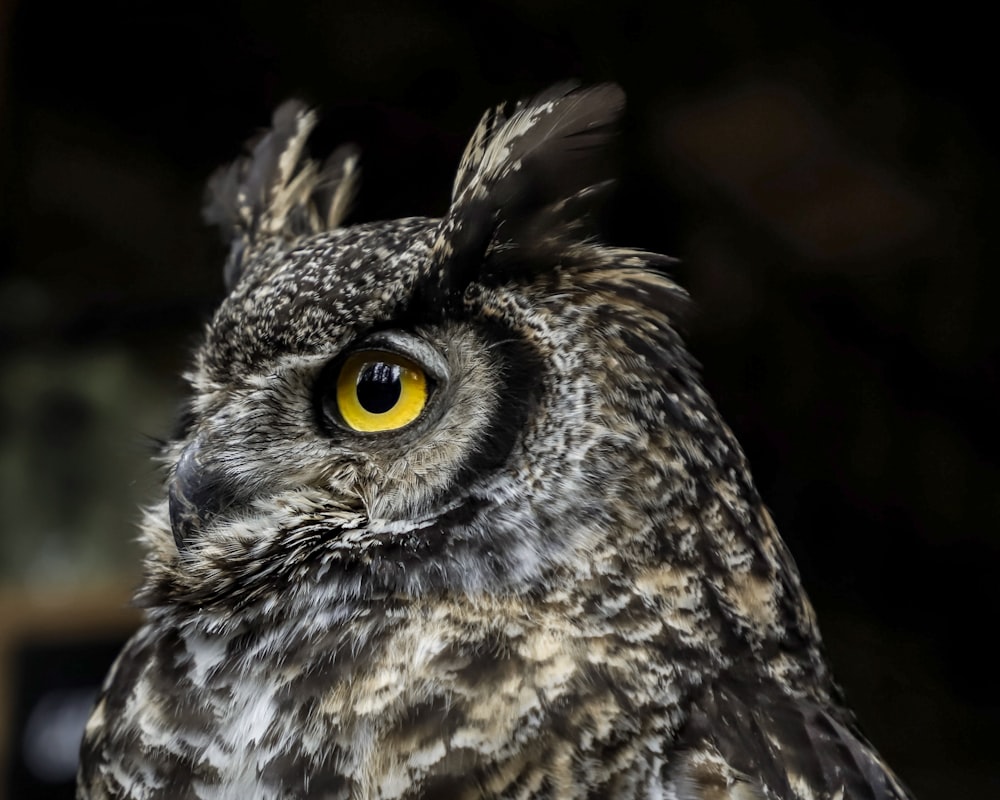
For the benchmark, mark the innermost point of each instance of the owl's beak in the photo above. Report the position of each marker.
(197, 493)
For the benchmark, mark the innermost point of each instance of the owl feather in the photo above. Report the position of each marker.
(277, 190)
(526, 187)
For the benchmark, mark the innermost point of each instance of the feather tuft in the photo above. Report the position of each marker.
(276, 191)
(527, 185)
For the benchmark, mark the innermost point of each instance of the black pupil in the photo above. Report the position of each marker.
(378, 387)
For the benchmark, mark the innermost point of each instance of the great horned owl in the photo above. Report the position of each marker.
(451, 515)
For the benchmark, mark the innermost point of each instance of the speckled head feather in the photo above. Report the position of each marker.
(553, 578)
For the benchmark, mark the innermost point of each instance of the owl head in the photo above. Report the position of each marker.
(489, 403)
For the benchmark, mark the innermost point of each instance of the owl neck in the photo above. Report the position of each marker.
(695, 576)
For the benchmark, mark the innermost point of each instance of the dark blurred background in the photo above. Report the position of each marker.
(825, 171)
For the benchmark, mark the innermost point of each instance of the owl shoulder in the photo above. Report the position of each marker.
(754, 740)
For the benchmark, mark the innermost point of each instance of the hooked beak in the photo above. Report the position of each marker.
(197, 493)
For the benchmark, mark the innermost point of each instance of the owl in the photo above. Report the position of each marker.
(450, 514)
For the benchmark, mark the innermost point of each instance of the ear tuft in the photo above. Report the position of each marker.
(553, 136)
(526, 187)
(277, 191)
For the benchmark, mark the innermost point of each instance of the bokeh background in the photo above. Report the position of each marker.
(826, 171)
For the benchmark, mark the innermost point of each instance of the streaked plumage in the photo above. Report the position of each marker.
(558, 581)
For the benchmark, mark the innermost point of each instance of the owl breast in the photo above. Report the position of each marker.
(463, 697)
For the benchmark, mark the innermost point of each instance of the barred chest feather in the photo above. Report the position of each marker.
(393, 700)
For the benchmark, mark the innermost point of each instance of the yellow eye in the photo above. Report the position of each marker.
(380, 391)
